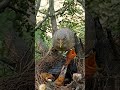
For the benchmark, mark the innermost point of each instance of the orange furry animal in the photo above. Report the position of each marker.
(70, 55)
(90, 66)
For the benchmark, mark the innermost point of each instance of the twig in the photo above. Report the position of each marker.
(40, 23)
(38, 2)
(62, 10)
(82, 2)
(58, 12)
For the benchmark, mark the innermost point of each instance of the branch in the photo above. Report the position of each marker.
(80, 17)
(8, 62)
(4, 4)
(58, 12)
(40, 23)
(37, 5)
(82, 2)
(52, 14)
(112, 43)
(61, 10)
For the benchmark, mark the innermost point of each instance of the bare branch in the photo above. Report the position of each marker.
(82, 2)
(37, 5)
(61, 10)
(52, 14)
(80, 17)
(58, 12)
(40, 23)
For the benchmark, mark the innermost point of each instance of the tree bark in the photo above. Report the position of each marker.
(112, 43)
(37, 6)
(52, 16)
(90, 34)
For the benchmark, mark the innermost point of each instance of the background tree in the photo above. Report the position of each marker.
(105, 15)
(16, 44)
(53, 16)
(69, 14)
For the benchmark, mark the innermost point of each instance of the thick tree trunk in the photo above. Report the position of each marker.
(90, 36)
(108, 75)
(103, 49)
(112, 43)
(37, 6)
(105, 56)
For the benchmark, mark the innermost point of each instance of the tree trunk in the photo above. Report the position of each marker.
(52, 16)
(90, 35)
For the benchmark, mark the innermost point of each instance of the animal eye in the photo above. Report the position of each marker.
(64, 37)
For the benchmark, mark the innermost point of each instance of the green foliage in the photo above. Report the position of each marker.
(72, 18)
(47, 41)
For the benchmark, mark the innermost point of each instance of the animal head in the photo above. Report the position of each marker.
(63, 39)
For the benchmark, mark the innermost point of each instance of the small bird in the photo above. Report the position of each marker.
(63, 39)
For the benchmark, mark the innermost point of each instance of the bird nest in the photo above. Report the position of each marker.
(48, 62)
(19, 81)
